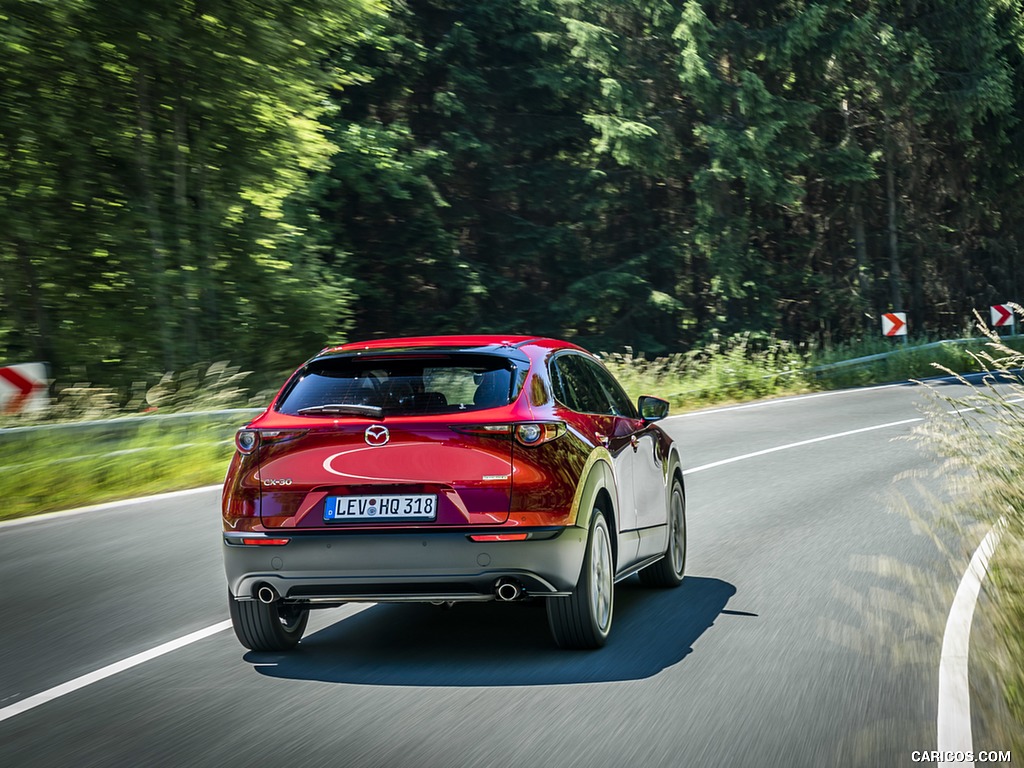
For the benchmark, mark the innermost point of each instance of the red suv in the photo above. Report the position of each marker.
(445, 469)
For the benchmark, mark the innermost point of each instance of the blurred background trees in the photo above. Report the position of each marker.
(186, 181)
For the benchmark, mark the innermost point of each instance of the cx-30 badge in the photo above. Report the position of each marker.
(376, 435)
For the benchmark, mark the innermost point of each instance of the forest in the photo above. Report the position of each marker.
(183, 181)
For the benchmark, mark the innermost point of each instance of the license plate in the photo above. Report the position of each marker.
(390, 508)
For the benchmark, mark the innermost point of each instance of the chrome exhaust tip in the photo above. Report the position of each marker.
(507, 590)
(266, 594)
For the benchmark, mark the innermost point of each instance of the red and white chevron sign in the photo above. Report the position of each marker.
(23, 388)
(1002, 314)
(894, 324)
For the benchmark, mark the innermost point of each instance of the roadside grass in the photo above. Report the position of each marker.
(978, 441)
(1002, 646)
(64, 467)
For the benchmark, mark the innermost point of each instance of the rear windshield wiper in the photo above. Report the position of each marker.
(345, 409)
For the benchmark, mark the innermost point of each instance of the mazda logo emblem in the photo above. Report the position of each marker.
(377, 435)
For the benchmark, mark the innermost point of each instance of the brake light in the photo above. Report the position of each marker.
(529, 433)
(537, 433)
(246, 440)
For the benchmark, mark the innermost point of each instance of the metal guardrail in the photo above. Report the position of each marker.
(901, 350)
(853, 362)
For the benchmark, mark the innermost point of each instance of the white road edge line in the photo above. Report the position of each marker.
(111, 669)
(108, 505)
(954, 707)
(766, 451)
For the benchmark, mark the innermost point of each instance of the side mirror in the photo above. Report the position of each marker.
(652, 408)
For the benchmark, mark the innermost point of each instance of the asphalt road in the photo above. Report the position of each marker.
(786, 645)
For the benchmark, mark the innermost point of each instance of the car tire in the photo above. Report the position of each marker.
(668, 572)
(584, 619)
(267, 627)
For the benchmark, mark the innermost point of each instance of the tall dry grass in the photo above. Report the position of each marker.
(978, 443)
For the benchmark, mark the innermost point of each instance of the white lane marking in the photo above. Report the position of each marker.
(111, 669)
(954, 717)
(734, 459)
(109, 505)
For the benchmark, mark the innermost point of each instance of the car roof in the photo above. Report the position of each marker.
(476, 342)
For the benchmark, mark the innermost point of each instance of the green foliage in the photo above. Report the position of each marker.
(154, 160)
(183, 183)
(736, 369)
(457, 194)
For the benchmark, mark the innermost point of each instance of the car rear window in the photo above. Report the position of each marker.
(399, 385)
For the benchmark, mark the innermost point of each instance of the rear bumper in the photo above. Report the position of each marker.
(404, 567)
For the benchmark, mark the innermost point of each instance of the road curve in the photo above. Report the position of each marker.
(784, 646)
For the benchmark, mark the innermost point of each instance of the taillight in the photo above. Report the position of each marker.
(536, 433)
(529, 433)
(246, 440)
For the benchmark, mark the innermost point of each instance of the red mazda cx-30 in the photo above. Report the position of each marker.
(450, 468)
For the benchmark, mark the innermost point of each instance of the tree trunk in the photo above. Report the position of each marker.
(209, 326)
(42, 340)
(158, 250)
(895, 277)
(860, 248)
(182, 220)
(917, 286)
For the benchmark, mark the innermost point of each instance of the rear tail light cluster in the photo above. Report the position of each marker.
(247, 440)
(538, 433)
(528, 433)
